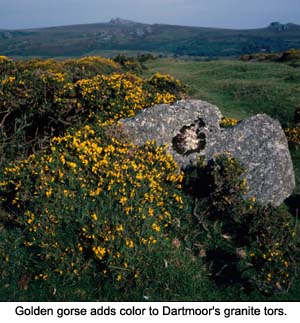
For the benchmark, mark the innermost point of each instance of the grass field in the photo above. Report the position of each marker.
(240, 89)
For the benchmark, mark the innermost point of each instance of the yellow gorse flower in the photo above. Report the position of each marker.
(113, 191)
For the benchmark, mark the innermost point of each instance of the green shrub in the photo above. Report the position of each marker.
(167, 84)
(244, 243)
(297, 114)
(291, 56)
(274, 248)
(90, 207)
(293, 135)
(89, 67)
(41, 99)
(6, 65)
(130, 64)
(261, 57)
(76, 69)
(293, 131)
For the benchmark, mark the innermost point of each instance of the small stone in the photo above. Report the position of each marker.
(202, 253)
(241, 253)
(176, 243)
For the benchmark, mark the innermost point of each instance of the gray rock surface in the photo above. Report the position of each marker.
(192, 128)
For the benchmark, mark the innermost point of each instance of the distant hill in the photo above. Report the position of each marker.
(119, 34)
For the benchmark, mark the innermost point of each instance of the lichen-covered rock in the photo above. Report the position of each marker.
(261, 145)
(192, 128)
(185, 127)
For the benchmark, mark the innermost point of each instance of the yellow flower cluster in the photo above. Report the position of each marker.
(228, 122)
(4, 59)
(9, 80)
(92, 61)
(274, 266)
(84, 64)
(117, 96)
(293, 134)
(118, 196)
(159, 78)
(165, 98)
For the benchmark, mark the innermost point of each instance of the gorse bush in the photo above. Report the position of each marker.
(293, 135)
(133, 64)
(41, 99)
(88, 67)
(130, 64)
(243, 242)
(261, 57)
(80, 204)
(76, 69)
(273, 248)
(293, 131)
(167, 84)
(228, 122)
(118, 96)
(291, 56)
(91, 207)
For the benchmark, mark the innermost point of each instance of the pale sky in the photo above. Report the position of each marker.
(238, 14)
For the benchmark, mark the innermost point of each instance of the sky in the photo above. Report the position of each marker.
(239, 14)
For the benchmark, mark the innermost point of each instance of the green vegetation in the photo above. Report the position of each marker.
(41, 99)
(291, 56)
(96, 39)
(239, 89)
(235, 235)
(85, 215)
